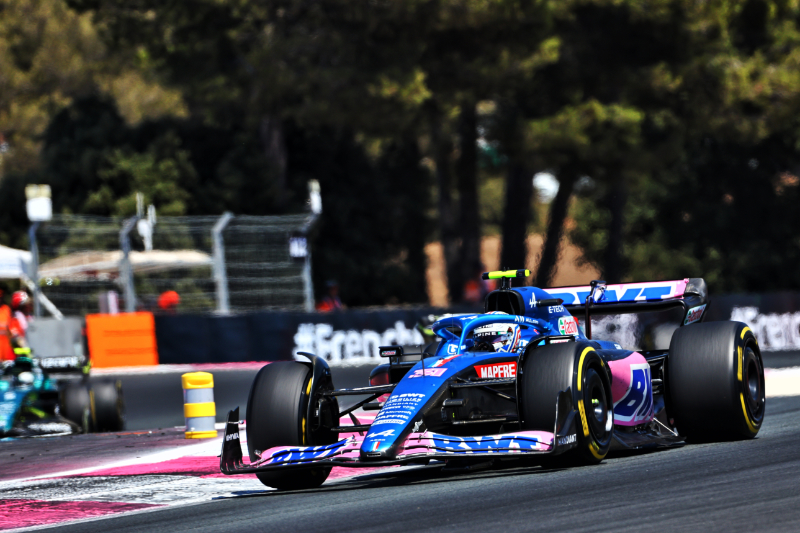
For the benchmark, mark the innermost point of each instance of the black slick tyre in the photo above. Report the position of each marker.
(715, 382)
(276, 416)
(107, 405)
(576, 366)
(75, 405)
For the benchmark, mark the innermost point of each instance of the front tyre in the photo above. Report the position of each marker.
(107, 405)
(548, 370)
(715, 382)
(276, 416)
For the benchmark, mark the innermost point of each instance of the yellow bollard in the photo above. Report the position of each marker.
(199, 409)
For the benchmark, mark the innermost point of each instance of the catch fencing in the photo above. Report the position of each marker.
(84, 267)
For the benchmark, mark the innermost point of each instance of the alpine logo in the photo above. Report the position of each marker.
(569, 439)
(694, 314)
(387, 433)
(497, 370)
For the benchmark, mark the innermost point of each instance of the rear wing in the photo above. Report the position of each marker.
(620, 298)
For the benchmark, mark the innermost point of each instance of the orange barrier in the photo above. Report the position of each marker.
(126, 339)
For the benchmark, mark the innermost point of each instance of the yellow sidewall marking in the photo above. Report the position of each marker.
(739, 365)
(303, 423)
(583, 418)
(580, 366)
(750, 425)
(595, 450)
(745, 330)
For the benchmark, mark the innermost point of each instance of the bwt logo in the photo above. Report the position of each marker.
(350, 346)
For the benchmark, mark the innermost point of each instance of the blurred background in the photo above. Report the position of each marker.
(239, 167)
(625, 140)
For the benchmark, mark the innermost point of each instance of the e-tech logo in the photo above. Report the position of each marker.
(497, 370)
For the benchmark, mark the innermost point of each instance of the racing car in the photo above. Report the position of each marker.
(33, 404)
(523, 379)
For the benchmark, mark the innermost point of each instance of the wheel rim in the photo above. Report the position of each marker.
(598, 411)
(753, 385)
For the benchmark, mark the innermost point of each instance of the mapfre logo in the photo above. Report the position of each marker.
(497, 370)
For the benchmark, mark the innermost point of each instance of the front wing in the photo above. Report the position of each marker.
(417, 447)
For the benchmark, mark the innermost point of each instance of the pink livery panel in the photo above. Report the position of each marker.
(631, 390)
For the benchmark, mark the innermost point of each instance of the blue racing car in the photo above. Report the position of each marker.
(522, 379)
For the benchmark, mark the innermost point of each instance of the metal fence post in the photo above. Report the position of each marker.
(125, 270)
(220, 274)
(315, 203)
(37, 307)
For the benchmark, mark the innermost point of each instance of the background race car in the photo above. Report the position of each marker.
(34, 404)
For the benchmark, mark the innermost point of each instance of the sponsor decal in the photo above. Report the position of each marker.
(350, 347)
(387, 433)
(567, 325)
(568, 439)
(60, 362)
(399, 409)
(452, 349)
(444, 361)
(774, 331)
(9, 396)
(232, 436)
(623, 292)
(694, 314)
(636, 405)
(508, 443)
(558, 341)
(388, 352)
(556, 309)
(497, 370)
(434, 372)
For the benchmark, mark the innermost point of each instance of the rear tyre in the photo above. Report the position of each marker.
(276, 416)
(715, 382)
(108, 407)
(548, 370)
(75, 405)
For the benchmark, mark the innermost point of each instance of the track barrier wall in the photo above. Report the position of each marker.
(350, 337)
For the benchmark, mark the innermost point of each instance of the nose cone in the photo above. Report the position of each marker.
(377, 449)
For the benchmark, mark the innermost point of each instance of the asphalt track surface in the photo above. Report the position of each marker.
(728, 486)
(155, 401)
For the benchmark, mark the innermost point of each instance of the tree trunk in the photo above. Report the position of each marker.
(274, 146)
(616, 199)
(443, 150)
(469, 215)
(516, 217)
(546, 272)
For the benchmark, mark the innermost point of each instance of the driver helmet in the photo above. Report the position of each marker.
(504, 337)
(19, 299)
